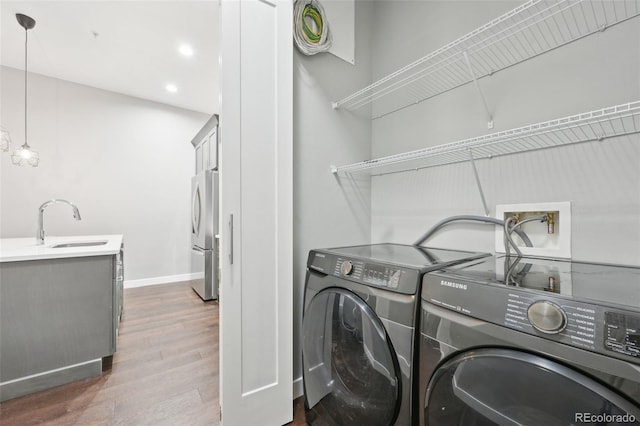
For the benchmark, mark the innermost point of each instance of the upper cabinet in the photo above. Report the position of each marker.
(527, 31)
(206, 146)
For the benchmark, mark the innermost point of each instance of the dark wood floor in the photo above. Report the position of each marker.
(165, 371)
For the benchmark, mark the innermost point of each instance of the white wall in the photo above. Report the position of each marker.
(601, 179)
(125, 162)
(328, 212)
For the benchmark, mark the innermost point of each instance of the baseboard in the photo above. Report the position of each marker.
(48, 379)
(162, 280)
(298, 389)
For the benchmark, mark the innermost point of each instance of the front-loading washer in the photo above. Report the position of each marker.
(530, 342)
(359, 331)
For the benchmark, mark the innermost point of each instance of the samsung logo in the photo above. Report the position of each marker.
(453, 285)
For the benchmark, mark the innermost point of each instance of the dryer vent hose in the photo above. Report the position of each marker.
(470, 218)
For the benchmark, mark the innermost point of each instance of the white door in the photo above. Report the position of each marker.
(256, 312)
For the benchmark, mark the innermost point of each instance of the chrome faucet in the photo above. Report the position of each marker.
(40, 236)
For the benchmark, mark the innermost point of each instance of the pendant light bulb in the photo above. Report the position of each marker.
(24, 155)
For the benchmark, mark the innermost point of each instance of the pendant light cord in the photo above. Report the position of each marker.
(24, 155)
(26, 46)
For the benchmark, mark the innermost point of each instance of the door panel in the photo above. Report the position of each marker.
(351, 373)
(256, 315)
(503, 387)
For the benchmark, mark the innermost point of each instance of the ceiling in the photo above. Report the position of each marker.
(128, 47)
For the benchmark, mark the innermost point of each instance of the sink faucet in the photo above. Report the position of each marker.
(40, 236)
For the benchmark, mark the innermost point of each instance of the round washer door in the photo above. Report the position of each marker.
(351, 374)
(507, 387)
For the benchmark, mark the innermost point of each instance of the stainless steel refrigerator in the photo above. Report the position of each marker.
(204, 234)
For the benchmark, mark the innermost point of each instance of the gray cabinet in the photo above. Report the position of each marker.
(58, 320)
(118, 292)
(207, 152)
(206, 146)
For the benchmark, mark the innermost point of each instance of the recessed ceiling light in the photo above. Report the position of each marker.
(186, 50)
(171, 88)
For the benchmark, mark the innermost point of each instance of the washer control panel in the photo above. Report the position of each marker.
(547, 317)
(346, 267)
(390, 277)
(589, 326)
(402, 280)
(370, 273)
(383, 276)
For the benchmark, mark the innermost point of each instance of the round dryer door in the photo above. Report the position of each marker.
(351, 374)
(489, 387)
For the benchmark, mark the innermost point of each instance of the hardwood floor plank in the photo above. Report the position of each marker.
(155, 413)
(146, 398)
(135, 358)
(192, 345)
(147, 370)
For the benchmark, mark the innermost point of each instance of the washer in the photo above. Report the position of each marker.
(359, 329)
(559, 345)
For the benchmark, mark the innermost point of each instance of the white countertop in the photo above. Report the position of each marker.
(18, 249)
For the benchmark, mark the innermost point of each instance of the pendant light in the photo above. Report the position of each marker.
(24, 155)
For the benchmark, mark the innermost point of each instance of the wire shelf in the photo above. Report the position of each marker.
(529, 30)
(609, 122)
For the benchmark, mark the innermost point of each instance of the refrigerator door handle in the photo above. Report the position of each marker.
(197, 250)
(196, 207)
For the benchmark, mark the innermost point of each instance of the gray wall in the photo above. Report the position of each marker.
(328, 212)
(601, 179)
(127, 164)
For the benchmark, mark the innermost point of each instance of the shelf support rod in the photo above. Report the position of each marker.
(475, 82)
(475, 173)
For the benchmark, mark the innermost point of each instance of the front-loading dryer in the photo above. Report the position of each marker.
(530, 342)
(359, 329)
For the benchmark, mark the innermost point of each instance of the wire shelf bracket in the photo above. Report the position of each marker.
(619, 120)
(475, 174)
(482, 98)
(535, 27)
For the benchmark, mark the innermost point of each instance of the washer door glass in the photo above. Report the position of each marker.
(507, 387)
(351, 374)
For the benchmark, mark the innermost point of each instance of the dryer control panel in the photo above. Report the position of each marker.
(622, 333)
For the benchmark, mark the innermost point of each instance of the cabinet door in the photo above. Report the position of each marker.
(212, 157)
(205, 153)
(199, 159)
(58, 311)
(256, 315)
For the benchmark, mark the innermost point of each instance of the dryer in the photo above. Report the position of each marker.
(558, 345)
(359, 330)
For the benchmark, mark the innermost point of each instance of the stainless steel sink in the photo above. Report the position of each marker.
(79, 244)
